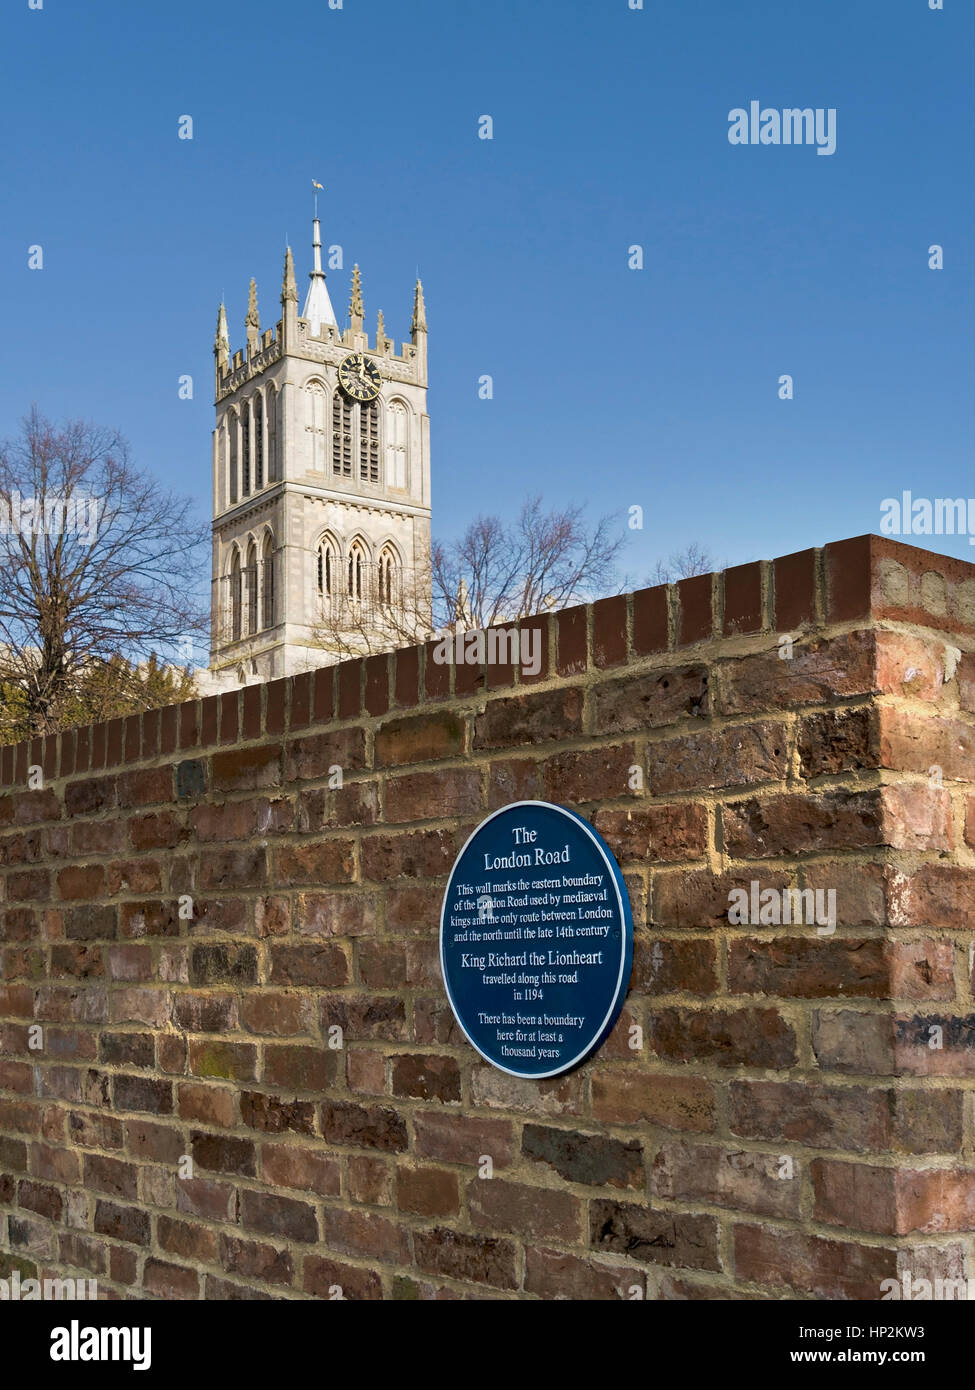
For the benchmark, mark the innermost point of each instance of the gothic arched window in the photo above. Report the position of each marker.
(272, 435)
(258, 443)
(387, 576)
(356, 571)
(233, 433)
(326, 567)
(316, 425)
(246, 435)
(369, 442)
(397, 445)
(236, 597)
(267, 582)
(341, 435)
(251, 588)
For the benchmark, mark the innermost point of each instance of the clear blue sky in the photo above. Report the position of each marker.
(612, 386)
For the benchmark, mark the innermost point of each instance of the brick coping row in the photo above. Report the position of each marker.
(866, 577)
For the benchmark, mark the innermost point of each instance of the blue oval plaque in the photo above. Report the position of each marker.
(536, 939)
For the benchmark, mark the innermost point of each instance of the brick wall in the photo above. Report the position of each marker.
(188, 908)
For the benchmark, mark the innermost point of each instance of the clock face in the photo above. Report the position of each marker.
(359, 378)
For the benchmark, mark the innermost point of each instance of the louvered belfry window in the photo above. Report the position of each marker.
(341, 435)
(369, 442)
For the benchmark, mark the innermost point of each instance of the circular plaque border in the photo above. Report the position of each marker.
(626, 955)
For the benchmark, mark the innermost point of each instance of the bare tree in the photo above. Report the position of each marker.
(98, 564)
(682, 564)
(543, 560)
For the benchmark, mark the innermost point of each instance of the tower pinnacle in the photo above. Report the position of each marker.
(289, 290)
(355, 302)
(419, 324)
(253, 319)
(221, 343)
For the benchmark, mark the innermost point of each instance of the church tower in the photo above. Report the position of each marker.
(321, 487)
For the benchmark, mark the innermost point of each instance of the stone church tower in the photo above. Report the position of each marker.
(321, 487)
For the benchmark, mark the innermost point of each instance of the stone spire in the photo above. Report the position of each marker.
(253, 319)
(381, 339)
(355, 303)
(318, 307)
(419, 324)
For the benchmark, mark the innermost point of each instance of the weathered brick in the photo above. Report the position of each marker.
(253, 1259)
(809, 967)
(428, 1192)
(795, 823)
(308, 1170)
(481, 1259)
(364, 1127)
(366, 1235)
(324, 1278)
(536, 1212)
(284, 1217)
(433, 795)
(540, 717)
(426, 1077)
(654, 832)
(767, 1184)
(655, 1237)
(727, 1037)
(593, 1159)
(826, 1268)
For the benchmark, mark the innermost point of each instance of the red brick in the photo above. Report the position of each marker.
(350, 688)
(609, 638)
(540, 717)
(828, 1269)
(541, 624)
(694, 617)
(656, 1237)
(627, 1097)
(427, 1192)
(308, 1170)
(743, 599)
(330, 1279)
(230, 716)
(726, 1037)
(433, 795)
(719, 758)
(406, 683)
(571, 641)
(745, 1181)
(794, 582)
(480, 1259)
(275, 715)
(377, 684)
(537, 1213)
(650, 620)
(366, 1236)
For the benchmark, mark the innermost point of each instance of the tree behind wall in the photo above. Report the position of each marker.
(497, 571)
(100, 565)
